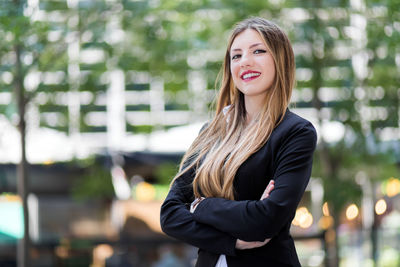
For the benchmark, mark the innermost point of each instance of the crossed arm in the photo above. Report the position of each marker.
(211, 225)
(240, 244)
(257, 220)
(177, 221)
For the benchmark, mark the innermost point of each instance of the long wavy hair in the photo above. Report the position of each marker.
(227, 142)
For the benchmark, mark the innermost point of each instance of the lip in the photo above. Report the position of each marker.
(248, 72)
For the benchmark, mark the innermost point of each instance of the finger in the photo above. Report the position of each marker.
(270, 187)
(264, 195)
(266, 240)
(270, 184)
(270, 190)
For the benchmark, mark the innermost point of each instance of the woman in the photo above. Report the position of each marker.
(252, 139)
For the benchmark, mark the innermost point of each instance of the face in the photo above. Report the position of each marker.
(252, 66)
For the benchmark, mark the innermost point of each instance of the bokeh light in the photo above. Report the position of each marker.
(352, 212)
(393, 187)
(145, 192)
(325, 222)
(380, 207)
(303, 218)
(325, 209)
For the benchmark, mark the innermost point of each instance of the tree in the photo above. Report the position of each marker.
(381, 82)
(335, 33)
(25, 50)
(339, 185)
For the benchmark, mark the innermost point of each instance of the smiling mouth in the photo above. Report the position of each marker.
(247, 76)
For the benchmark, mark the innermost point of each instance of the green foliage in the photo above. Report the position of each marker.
(96, 183)
(140, 128)
(170, 38)
(28, 38)
(341, 193)
(166, 172)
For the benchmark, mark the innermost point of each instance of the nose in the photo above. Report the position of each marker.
(245, 60)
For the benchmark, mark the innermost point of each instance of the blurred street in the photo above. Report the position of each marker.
(99, 100)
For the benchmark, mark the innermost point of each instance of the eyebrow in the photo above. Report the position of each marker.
(253, 45)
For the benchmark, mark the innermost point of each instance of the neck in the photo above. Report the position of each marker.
(253, 106)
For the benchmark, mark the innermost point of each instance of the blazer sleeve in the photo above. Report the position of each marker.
(256, 220)
(177, 221)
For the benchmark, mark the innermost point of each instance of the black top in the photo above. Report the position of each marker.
(217, 222)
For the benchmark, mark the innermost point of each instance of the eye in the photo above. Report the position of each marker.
(236, 56)
(260, 51)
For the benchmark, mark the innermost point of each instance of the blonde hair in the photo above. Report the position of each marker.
(220, 149)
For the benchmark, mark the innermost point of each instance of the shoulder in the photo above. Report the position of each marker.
(292, 122)
(293, 125)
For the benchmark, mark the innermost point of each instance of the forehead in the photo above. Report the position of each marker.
(246, 38)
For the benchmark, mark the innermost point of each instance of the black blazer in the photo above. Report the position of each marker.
(217, 222)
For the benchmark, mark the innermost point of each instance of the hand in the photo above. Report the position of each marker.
(268, 189)
(240, 244)
(194, 204)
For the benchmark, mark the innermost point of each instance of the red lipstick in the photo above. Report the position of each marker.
(249, 75)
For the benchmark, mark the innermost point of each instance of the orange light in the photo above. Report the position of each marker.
(62, 252)
(10, 198)
(325, 222)
(101, 253)
(393, 187)
(351, 212)
(306, 221)
(303, 218)
(380, 207)
(145, 192)
(325, 209)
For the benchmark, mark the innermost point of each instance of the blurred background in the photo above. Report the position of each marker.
(100, 98)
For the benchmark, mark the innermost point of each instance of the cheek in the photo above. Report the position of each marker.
(273, 70)
(234, 70)
(271, 65)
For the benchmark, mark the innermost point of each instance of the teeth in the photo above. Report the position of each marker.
(249, 75)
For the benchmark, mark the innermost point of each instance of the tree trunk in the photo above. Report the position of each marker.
(336, 255)
(22, 188)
